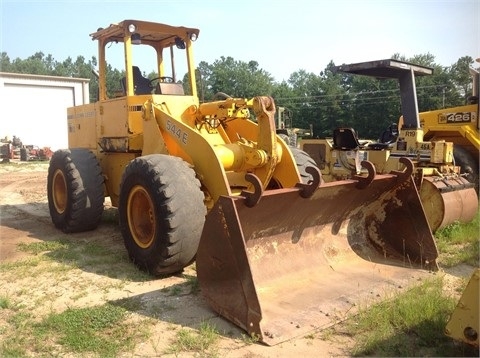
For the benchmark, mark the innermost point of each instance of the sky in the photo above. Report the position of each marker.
(283, 36)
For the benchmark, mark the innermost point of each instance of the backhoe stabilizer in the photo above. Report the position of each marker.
(294, 260)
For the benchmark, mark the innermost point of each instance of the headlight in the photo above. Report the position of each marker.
(132, 28)
(193, 36)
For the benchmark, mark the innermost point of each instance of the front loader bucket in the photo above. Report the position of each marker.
(285, 262)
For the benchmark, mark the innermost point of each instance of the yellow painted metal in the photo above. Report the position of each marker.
(140, 216)
(442, 152)
(191, 68)
(213, 150)
(463, 324)
(82, 126)
(159, 36)
(185, 142)
(436, 125)
(113, 165)
(286, 172)
(102, 71)
(59, 191)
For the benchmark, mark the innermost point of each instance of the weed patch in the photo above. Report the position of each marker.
(201, 342)
(411, 324)
(100, 330)
(459, 243)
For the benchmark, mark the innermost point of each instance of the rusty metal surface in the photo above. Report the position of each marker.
(292, 264)
(448, 200)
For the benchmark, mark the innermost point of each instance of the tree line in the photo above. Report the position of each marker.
(320, 101)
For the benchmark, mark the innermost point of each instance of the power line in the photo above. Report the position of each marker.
(441, 86)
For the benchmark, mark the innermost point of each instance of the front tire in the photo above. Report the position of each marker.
(303, 161)
(161, 213)
(75, 190)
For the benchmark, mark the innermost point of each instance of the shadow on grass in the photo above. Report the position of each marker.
(180, 304)
(100, 251)
(424, 340)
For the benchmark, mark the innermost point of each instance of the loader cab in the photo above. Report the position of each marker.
(168, 48)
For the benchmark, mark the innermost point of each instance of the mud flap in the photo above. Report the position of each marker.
(282, 263)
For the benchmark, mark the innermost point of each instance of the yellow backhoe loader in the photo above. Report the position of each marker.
(446, 194)
(278, 252)
(459, 125)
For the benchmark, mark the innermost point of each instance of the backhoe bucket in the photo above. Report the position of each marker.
(282, 263)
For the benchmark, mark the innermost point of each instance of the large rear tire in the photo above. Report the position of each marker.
(303, 161)
(75, 190)
(161, 213)
(467, 163)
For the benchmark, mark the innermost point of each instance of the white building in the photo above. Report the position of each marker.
(34, 107)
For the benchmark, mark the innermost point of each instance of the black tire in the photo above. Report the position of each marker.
(467, 163)
(285, 138)
(161, 213)
(75, 189)
(304, 160)
(23, 154)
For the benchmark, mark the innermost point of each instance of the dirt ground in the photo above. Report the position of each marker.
(25, 219)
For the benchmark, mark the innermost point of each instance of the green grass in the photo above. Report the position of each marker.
(203, 341)
(459, 243)
(99, 331)
(193, 283)
(37, 248)
(412, 324)
(5, 302)
(95, 329)
(72, 252)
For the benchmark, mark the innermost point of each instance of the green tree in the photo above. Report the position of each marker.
(302, 103)
(5, 64)
(235, 78)
(34, 64)
(460, 76)
(323, 101)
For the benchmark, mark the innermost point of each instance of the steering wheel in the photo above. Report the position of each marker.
(166, 79)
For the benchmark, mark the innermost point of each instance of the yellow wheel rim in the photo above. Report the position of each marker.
(59, 191)
(141, 216)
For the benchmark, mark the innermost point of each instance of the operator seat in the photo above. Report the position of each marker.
(346, 139)
(387, 139)
(140, 83)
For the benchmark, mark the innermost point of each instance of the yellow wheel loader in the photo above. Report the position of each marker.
(459, 125)
(278, 252)
(446, 193)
